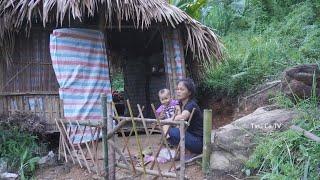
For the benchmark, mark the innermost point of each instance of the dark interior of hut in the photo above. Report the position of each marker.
(138, 56)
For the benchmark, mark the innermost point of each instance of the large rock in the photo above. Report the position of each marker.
(298, 80)
(232, 144)
(3, 165)
(8, 176)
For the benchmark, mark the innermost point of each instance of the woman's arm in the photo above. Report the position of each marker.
(183, 116)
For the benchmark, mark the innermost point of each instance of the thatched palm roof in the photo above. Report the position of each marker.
(18, 14)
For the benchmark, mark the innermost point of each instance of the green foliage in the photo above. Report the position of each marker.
(19, 149)
(289, 154)
(261, 40)
(225, 15)
(191, 7)
(117, 82)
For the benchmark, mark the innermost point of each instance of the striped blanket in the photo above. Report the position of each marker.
(80, 63)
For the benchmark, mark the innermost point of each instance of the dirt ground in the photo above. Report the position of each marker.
(74, 172)
(69, 171)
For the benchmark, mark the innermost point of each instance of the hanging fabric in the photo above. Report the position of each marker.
(80, 63)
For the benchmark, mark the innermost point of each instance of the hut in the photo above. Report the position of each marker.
(153, 42)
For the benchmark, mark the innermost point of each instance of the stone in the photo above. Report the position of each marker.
(8, 176)
(232, 144)
(97, 177)
(3, 165)
(48, 160)
(298, 80)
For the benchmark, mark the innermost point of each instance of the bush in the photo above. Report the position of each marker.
(280, 34)
(19, 150)
(117, 82)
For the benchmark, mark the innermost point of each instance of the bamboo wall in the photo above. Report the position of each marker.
(28, 83)
(31, 69)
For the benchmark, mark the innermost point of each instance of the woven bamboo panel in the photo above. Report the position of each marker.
(31, 68)
(47, 107)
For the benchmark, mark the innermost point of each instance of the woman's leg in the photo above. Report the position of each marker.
(174, 136)
(193, 143)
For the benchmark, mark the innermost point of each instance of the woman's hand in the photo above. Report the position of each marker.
(161, 116)
(183, 116)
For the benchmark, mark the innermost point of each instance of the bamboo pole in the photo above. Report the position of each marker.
(72, 147)
(60, 147)
(164, 140)
(148, 171)
(143, 122)
(191, 160)
(81, 151)
(131, 131)
(178, 148)
(182, 152)
(104, 135)
(116, 129)
(207, 126)
(112, 153)
(157, 154)
(147, 120)
(64, 133)
(125, 138)
(84, 123)
(306, 133)
(118, 150)
(137, 136)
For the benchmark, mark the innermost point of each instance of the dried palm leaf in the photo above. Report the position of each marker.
(201, 40)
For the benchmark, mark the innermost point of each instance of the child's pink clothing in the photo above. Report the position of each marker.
(168, 110)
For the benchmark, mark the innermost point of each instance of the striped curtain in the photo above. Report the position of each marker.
(173, 57)
(81, 67)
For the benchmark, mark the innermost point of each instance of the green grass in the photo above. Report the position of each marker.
(18, 149)
(288, 154)
(260, 42)
(261, 39)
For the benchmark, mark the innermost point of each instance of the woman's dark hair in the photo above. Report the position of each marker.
(189, 84)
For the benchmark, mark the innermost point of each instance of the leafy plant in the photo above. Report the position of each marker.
(191, 7)
(27, 164)
(117, 82)
(19, 149)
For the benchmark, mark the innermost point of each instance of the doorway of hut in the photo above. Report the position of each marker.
(136, 68)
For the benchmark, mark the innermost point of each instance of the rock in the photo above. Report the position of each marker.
(3, 165)
(96, 177)
(298, 80)
(48, 160)
(232, 144)
(8, 176)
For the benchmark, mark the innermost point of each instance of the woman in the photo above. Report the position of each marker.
(194, 135)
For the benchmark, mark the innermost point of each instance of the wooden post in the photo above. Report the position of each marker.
(104, 134)
(111, 151)
(182, 151)
(207, 126)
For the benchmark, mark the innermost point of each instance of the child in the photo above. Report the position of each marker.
(168, 106)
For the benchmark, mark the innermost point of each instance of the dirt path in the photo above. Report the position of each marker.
(68, 171)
